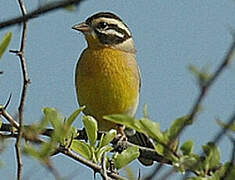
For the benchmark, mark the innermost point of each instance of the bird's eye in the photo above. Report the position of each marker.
(102, 25)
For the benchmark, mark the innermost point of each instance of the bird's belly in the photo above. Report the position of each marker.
(106, 85)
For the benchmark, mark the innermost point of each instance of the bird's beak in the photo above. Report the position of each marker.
(83, 27)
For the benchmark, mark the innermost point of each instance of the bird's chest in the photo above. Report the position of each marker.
(107, 82)
(105, 68)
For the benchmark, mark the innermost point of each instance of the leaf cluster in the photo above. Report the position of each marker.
(206, 166)
(64, 134)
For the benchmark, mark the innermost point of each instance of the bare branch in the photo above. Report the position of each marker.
(167, 174)
(155, 172)
(9, 118)
(103, 166)
(20, 54)
(204, 91)
(41, 10)
(218, 136)
(52, 169)
(8, 101)
(208, 84)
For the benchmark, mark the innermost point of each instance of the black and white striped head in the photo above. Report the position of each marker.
(107, 30)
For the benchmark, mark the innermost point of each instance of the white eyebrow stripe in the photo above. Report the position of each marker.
(115, 21)
(113, 32)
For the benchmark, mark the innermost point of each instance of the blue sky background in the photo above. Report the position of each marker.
(169, 36)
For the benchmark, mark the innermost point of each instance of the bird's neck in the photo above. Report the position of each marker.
(126, 46)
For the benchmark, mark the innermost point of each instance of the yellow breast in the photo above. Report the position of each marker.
(107, 82)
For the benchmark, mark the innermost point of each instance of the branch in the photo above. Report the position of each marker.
(146, 152)
(204, 91)
(10, 119)
(41, 10)
(103, 166)
(53, 170)
(90, 164)
(224, 129)
(154, 173)
(218, 137)
(7, 128)
(208, 84)
(20, 54)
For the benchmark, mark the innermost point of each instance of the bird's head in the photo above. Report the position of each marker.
(105, 29)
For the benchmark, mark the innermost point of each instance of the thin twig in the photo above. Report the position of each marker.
(216, 139)
(205, 88)
(204, 91)
(103, 166)
(155, 172)
(218, 136)
(8, 101)
(51, 168)
(21, 56)
(9, 118)
(41, 10)
(168, 174)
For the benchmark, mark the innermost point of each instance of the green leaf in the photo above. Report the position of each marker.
(152, 129)
(202, 75)
(102, 150)
(68, 136)
(82, 148)
(143, 125)
(70, 7)
(57, 121)
(30, 150)
(53, 116)
(159, 148)
(165, 151)
(188, 162)
(73, 116)
(212, 158)
(176, 127)
(146, 111)
(35, 129)
(222, 171)
(126, 120)
(47, 149)
(225, 125)
(128, 155)
(187, 147)
(42, 154)
(91, 128)
(5, 42)
(107, 138)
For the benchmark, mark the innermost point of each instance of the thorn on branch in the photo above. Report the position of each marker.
(17, 52)
(8, 101)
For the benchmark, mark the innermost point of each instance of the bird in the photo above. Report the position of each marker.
(107, 76)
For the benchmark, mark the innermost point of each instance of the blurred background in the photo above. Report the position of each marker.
(169, 36)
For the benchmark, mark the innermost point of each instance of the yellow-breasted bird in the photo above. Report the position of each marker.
(107, 76)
